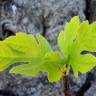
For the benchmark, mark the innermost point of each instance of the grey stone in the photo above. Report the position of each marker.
(25, 15)
(58, 12)
(91, 10)
(40, 16)
(46, 17)
(32, 86)
(91, 91)
(76, 83)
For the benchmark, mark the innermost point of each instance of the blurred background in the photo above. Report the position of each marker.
(46, 17)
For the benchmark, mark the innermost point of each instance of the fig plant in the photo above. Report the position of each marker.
(38, 55)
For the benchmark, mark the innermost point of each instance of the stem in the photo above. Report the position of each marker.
(65, 82)
(65, 86)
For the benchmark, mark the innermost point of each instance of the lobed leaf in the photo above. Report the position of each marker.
(72, 41)
(67, 36)
(85, 41)
(22, 48)
(75, 39)
(50, 64)
(35, 51)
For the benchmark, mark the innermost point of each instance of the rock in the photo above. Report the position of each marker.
(24, 86)
(91, 91)
(41, 16)
(76, 83)
(46, 17)
(25, 15)
(56, 13)
(91, 10)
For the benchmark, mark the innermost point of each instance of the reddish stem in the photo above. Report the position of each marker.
(65, 86)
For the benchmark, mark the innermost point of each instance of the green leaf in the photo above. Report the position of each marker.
(9, 56)
(75, 39)
(86, 36)
(66, 37)
(82, 63)
(50, 64)
(43, 44)
(39, 56)
(85, 41)
(22, 48)
(36, 52)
